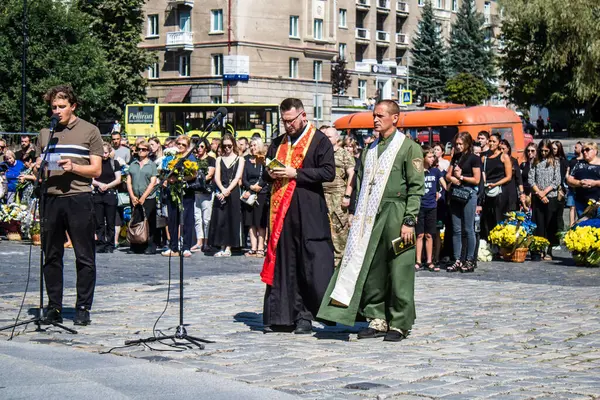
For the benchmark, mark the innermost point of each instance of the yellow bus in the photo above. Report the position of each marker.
(167, 120)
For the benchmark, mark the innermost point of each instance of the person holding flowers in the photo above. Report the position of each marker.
(545, 179)
(15, 167)
(585, 178)
(203, 188)
(226, 220)
(180, 199)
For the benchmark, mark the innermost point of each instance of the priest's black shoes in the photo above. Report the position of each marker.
(394, 336)
(303, 327)
(370, 333)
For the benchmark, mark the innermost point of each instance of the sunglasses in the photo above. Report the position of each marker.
(142, 149)
(181, 144)
(202, 146)
(227, 146)
(545, 151)
(531, 151)
(587, 149)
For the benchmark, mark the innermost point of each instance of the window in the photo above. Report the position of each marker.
(440, 3)
(216, 99)
(362, 89)
(293, 67)
(216, 20)
(343, 18)
(184, 65)
(318, 106)
(153, 71)
(454, 5)
(421, 3)
(217, 64)
(342, 52)
(152, 25)
(318, 70)
(294, 26)
(318, 29)
(185, 21)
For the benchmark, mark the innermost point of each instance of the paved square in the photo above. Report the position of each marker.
(507, 331)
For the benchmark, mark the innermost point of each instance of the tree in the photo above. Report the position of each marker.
(551, 54)
(60, 51)
(466, 89)
(470, 52)
(340, 77)
(428, 68)
(118, 24)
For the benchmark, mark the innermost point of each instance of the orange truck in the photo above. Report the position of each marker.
(444, 124)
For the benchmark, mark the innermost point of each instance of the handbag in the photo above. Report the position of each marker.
(460, 194)
(560, 194)
(251, 200)
(138, 231)
(490, 191)
(123, 199)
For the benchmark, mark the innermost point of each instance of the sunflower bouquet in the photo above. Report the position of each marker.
(583, 241)
(512, 234)
(178, 172)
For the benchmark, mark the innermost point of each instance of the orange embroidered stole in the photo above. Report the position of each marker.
(281, 196)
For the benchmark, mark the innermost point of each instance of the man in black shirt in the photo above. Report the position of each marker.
(27, 149)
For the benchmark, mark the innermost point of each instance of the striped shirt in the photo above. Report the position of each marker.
(77, 141)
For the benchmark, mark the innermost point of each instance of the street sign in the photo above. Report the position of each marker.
(236, 68)
(406, 97)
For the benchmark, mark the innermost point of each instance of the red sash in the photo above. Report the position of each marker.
(281, 197)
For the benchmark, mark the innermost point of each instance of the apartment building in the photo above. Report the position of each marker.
(262, 51)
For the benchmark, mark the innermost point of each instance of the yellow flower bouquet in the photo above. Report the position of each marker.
(583, 241)
(507, 236)
(538, 244)
(180, 171)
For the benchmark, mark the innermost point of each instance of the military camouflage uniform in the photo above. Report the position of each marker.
(334, 194)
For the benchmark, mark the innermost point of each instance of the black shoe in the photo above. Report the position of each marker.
(53, 315)
(303, 327)
(110, 249)
(370, 333)
(150, 251)
(394, 336)
(100, 250)
(82, 317)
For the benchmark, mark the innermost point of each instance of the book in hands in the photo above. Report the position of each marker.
(400, 247)
(274, 163)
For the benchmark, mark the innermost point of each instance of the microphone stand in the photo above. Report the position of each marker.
(40, 183)
(180, 332)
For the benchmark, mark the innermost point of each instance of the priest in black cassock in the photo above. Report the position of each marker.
(299, 259)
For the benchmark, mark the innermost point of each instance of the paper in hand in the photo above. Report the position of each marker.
(53, 160)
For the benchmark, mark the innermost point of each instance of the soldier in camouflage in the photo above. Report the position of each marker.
(338, 192)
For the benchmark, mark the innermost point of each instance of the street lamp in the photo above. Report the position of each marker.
(24, 67)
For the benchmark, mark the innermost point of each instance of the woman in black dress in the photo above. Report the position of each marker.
(559, 154)
(256, 215)
(497, 172)
(105, 202)
(226, 220)
(514, 197)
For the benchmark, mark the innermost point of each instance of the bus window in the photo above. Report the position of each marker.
(195, 120)
(256, 120)
(241, 120)
(506, 133)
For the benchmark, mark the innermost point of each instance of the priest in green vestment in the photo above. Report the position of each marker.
(373, 280)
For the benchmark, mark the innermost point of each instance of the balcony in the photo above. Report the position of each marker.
(363, 4)
(402, 40)
(362, 34)
(383, 37)
(180, 41)
(491, 20)
(384, 6)
(402, 8)
(174, 3)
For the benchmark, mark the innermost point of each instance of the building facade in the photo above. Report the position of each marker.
(222, 51)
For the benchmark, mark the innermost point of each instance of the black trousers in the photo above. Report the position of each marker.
(105, 207)
(75, 215)
(150, 209)
(188, 223)
(545, 217)
(492, 214)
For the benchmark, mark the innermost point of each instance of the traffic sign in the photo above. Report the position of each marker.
(406, 97)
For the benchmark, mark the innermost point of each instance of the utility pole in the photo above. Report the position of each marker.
(24, 68)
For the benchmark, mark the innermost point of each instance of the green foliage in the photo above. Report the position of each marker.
(118, 24)
(60, 50)
(551, 53)
(428, 71)
(466, 89)
(340, 77)
(584, 127)
(470, 52)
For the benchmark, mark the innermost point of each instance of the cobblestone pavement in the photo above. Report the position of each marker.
(507, 331)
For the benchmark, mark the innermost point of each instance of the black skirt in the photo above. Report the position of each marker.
(258, 213)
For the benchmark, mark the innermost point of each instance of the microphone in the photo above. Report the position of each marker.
(219, 114)
(54, 121)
